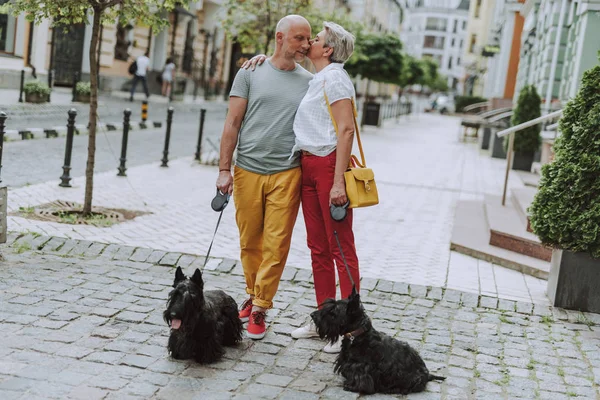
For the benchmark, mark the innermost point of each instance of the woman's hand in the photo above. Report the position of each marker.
(337, 195)
(258, 59)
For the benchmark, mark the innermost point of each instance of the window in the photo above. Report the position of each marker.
(464, 25)
(450, 62)
(434, 42)
(461, 43)
(7, 31)
(453, 41)
(435, 57)
(477, 8)
(436, 24)
(458, 61)
(455, 26)
(123, 42)
(473, 43)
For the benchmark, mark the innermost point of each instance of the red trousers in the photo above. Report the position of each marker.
(317, 180)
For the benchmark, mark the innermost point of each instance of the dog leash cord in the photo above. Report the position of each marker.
(343, 258)
(213, 239)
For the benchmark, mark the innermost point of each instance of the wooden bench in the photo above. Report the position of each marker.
(475, 121)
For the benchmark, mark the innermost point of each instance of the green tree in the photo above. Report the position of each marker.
(252, 23)
(528, 107)
(152, 13)
(414, 72)
(566, 210)
(378, 58)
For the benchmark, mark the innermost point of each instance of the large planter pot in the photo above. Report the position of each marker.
(372, 114)
(35, 98)
(523, 160)
(82, 98)
(497, 145)
(484, 141)
(574, 281)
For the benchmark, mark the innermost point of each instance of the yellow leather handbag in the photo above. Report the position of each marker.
(361, 189)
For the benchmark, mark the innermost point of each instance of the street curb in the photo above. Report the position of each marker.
(12, 135)
(429, 295)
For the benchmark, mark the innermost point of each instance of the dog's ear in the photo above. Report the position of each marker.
(354, 301)
(179, 276)
(197, 278)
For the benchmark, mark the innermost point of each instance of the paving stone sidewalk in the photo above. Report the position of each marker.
(90, 326)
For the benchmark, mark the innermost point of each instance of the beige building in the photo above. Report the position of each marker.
(194, 39)
(481, 41)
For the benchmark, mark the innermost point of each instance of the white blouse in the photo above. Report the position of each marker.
(313, 126)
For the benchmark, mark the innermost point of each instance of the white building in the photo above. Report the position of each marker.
(437, 29)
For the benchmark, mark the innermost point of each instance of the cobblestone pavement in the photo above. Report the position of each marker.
(90, 327)
(422, 171)
(27, 162)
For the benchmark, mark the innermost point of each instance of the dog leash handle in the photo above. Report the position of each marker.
(344, 258)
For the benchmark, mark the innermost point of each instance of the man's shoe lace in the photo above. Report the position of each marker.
(258, 317)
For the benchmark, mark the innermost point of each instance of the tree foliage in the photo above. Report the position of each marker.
(252, 23)
(152, 13)
(377, 57)
(528, 108)
(566, 210)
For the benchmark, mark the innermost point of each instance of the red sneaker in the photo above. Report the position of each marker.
(256, 325)
(246, 310)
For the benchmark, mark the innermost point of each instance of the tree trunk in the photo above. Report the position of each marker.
(89, 170)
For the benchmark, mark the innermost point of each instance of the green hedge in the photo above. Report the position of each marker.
(462, 101)
(36, 87)
(566, 210)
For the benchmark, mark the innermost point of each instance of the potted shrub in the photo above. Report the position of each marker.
(83, 92)
(36, 92)
(528, 140)
(565, 213)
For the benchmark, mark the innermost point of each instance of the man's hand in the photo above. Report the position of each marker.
(225, 182)
(337, 195)
(258, 59)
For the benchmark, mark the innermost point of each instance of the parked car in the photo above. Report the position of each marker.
(442, 103)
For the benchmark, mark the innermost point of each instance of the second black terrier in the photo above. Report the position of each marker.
(201, 322)
(370, 361)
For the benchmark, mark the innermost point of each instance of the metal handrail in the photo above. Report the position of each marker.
(511, 142)
(475, 106)
(499, 117)
(527, 124)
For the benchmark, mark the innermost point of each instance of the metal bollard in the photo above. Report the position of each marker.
(198, 155)
(65, 178)
(165, 158)
(123, 159)
(22, 85)
(3, 117)
(50, 76)
(75, 80)
(144, 110)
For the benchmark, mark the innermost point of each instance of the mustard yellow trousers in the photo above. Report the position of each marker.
(266, 211)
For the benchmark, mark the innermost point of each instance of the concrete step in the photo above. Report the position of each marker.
(471, 236)
(508, 231)
(529, 179)
(521, 200)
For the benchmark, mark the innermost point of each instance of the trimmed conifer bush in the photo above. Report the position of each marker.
(566, 210)
(528, 107)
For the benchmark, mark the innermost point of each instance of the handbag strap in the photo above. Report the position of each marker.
(353, 158)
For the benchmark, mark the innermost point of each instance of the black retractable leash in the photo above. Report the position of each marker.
(218, 204)
(338, 213)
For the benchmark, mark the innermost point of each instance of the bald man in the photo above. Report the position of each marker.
(265, 181)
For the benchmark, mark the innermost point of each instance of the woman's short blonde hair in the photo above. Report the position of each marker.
(340, 40)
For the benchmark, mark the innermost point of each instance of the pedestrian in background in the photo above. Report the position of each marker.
(168, 76)
(142, 67)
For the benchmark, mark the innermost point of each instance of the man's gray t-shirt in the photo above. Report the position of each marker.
(266, 137)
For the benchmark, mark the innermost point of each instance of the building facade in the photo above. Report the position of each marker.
(481, 43)
(437, 29)
(503, 62)
(193, 39)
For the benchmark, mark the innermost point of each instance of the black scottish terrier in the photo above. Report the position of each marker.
(201, 322)
(370, 361)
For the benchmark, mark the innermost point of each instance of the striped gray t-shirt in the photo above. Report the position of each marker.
(267, 136)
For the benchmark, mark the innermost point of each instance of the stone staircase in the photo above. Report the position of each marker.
(502, 234)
